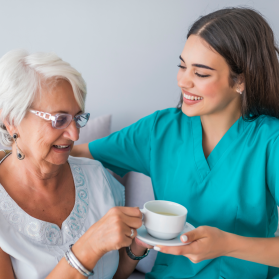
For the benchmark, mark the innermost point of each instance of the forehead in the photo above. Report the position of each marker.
(55, 97)
(198, 51)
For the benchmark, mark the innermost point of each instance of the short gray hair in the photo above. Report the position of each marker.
(21, 77)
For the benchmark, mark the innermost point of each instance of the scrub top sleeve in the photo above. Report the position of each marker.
(128, 149)
(273, 170)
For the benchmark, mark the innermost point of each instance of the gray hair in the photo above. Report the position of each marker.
(21, 78)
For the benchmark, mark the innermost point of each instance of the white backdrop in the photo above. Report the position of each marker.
(127, 50)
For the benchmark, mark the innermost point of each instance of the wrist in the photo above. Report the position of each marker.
(137, 250)
(86, 256)
(230, 244)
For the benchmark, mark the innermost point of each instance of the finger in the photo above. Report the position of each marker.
(193, 235)
(175, 250)
(130, 232)
(131, 211)
(132, 222)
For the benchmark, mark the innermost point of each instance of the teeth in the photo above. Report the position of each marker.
(61, 146)
(188, 97)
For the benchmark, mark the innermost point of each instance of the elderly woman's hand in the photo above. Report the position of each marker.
(205, 243)
(112, 232)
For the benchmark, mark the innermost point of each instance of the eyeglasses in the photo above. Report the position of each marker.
(63, 120)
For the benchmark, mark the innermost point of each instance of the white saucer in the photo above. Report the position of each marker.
(144, 236)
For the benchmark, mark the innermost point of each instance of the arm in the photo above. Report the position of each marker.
(208, 243)
(81, 150)
(126, 264)
(111, 232)
(6, 269)
(128, 149)
(260, 250)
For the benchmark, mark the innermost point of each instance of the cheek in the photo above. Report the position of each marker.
(46, 137)
(41, 139)
(209, 89)
(212, 90)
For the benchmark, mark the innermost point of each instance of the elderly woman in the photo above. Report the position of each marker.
(49, 201)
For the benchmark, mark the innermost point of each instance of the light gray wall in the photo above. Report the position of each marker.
(127, 51)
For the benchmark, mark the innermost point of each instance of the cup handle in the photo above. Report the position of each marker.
(143, 216)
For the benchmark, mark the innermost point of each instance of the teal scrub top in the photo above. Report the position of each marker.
(235, 189)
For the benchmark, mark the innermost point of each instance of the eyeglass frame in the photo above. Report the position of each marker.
(53, 118)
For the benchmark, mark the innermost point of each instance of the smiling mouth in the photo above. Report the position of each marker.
(61, 146)
(191, 97)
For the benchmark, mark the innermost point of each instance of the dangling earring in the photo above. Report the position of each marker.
(238, 90)
(19, 153)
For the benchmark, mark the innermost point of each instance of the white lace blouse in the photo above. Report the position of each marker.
(36, 246)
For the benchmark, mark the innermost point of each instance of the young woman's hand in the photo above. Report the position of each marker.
(205, 243)
(112, 232)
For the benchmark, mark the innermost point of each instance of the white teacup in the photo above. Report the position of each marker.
(164, 219)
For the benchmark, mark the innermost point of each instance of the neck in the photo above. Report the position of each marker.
(43, 176)
(216, 125)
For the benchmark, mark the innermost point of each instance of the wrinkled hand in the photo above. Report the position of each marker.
(206, 243)
(111, 232)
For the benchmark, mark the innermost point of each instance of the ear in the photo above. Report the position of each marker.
(240, 82)
(10, 128)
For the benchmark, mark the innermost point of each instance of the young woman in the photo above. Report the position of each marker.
(217, 153)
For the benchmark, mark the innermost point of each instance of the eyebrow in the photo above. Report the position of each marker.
(55, 112)
(198, 65)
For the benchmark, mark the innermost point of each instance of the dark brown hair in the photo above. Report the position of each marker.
(246, 41)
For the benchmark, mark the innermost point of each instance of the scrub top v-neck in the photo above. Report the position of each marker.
(235, 189)
(205, 165)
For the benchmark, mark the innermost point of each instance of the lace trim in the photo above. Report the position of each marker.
(45, 232)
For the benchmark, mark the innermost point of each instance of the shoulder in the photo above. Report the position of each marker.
(84, 162)
(98, 178)
(92, 169)
(267, 127)
(164, 118)
(169, 113)
(171, 120)
(165, 114)
(88, 167)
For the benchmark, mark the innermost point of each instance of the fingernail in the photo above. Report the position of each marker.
(156, 248)
(184, 238)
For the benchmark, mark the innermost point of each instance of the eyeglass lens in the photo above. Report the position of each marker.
(81, 119)
(63, 120)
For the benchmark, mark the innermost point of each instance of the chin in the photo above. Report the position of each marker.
(59, 161)
(189, 111)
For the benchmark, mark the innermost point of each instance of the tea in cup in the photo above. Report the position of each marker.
(164, 219)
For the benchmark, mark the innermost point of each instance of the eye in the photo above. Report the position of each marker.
(202, 76)
(182, 67)
(61, 119)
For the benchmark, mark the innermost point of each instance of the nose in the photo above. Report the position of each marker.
(184, 80)
(72, 132)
